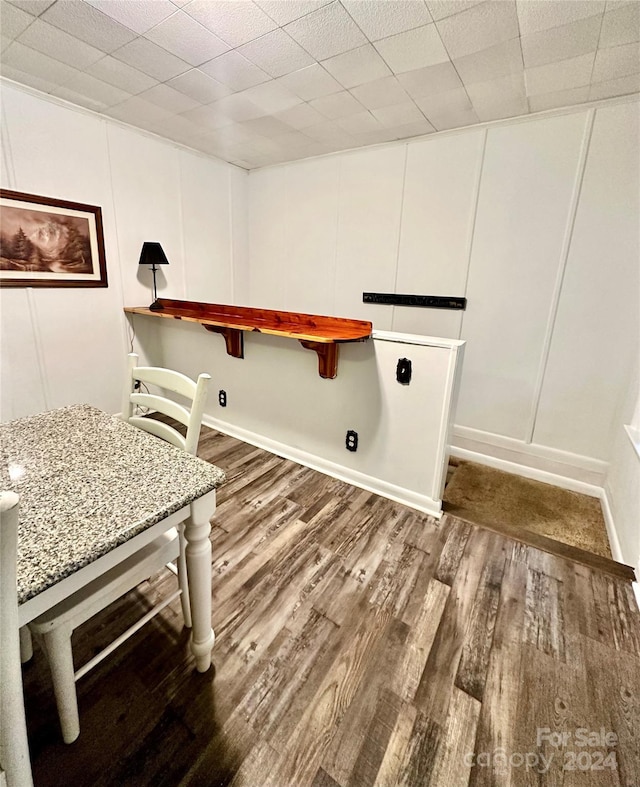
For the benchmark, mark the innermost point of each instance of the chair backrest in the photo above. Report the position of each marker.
(168, 380)
(14, 748)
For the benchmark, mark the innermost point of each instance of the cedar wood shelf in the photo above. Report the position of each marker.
(314, 332)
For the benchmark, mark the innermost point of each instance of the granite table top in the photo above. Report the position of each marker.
(88, 482)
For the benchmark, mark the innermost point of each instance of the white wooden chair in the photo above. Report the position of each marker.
(55, 627)
(15, 766)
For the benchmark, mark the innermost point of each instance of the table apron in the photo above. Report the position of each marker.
(35, 606)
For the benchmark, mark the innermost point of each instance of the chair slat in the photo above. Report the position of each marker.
(166, 378)
(163, 405)
(159, 429)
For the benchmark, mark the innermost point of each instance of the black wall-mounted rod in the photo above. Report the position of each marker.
(422, 301)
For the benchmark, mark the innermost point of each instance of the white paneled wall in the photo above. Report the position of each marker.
(61, 346)
(499, 215)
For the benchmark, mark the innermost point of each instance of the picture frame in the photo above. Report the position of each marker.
(48, 242)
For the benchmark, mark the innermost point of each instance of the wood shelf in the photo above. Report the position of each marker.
(313, 331)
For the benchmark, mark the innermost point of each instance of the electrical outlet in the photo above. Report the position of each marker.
(222, 398)
(136, 385)
(351, 441)
(403, 371)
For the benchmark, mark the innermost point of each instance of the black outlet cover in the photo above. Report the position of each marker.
(222, 398)
(352, 440)
(403, 371)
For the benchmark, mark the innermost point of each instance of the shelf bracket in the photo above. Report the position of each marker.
(233, 338)
(327, 357)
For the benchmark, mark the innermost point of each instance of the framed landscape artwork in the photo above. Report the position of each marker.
(48, 242)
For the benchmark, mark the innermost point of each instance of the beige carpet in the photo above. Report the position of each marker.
(487, 496)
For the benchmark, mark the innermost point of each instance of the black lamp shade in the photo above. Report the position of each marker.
(152, 254)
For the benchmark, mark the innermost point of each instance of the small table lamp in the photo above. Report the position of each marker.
(152, 254)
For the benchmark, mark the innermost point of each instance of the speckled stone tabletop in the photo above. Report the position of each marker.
(88, 482)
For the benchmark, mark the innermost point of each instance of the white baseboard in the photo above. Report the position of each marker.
(525, 471)
(614, 541)
(398, 494)
(561, 467)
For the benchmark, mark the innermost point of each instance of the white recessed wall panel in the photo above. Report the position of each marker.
(62, 153)
(368, 229)
(311, 224)
(267, 217)
(437, 221)
(22, 389)
(206, 222)
(239, 197)
(145, 175)
(528, 179)
(595, 340)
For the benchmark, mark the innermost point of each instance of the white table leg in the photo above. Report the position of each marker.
(198, 554)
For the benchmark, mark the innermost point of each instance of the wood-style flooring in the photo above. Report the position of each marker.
(357, 643)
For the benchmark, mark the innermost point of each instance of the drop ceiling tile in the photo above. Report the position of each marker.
(300, 117)
(561, 43)
(89, 91)
(234, 70)
(293, 140)
(496, 61)
(23, 58)
(441, 8)
(121, 75)
(615, 87)
(454, 119)
(268, 127)
(13, 21)
(359, 123)
(535, 16)
(429, 80)
(137, 112)
(44, 85)
(417, 129)
(180, 3)
(235, 21)
(233, 134)
(618, 61)
(329, 131)
(357, 66)
(34, 7)
(151, 59)
(412, 50)
(440, 103)
(197, 85)
(285, 12)
(574, 72)
(181, 35)
(380, 20)
(272, 97)
(479, 27)
(398, 114)
(380, 93)
(506, 88)
(4, 42)
(276, 53)
(505, 108)
(620, 26)
(137, 15)
(238, 107)
(311, 82)
(327, 32)
(168, 98)
(179, 128)
(337, 105)
(59, 45)
(88, 24)
(561, 98)
(207, 117)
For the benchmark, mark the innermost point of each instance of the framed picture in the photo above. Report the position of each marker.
(48, 242)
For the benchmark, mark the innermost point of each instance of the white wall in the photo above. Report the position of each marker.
(61, 346)
(534, 221)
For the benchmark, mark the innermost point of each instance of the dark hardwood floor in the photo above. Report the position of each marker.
(358, 643)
